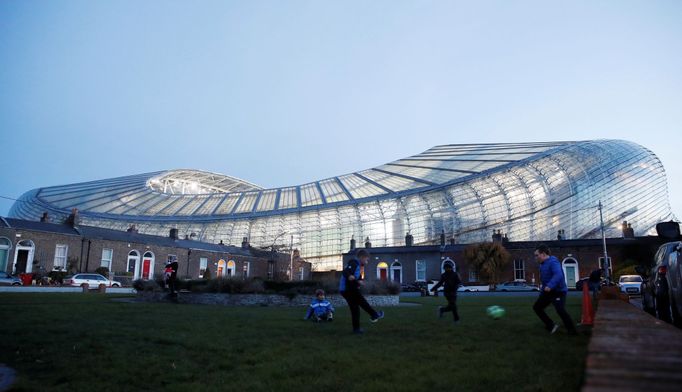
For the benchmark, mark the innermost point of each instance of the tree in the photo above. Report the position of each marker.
(488, 258)
(207, 273)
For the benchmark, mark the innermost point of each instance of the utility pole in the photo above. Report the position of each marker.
(607, 264)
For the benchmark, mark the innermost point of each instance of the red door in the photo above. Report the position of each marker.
(146, 263)
(383, 274)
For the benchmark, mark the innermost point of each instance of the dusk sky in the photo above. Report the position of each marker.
(287, 92)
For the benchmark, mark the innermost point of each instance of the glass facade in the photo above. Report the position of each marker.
(527, 190)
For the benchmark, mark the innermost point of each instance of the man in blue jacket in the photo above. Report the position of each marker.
(553, 290)
(352, 279)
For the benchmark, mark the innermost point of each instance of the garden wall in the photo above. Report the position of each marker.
(260, 299)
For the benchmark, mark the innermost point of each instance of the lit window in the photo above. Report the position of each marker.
(203, 264)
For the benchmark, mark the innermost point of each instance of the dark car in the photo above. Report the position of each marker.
(662, 286)
(410, 287)
(579, 284)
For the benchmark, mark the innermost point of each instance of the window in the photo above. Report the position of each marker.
(421, 270)
(5, 246)
(519, 270)
(473, 276)
(172, 258)
(60, 256)
(601, 263)
(247, 269)
(203, 264)
(107, 256)
(302, 272)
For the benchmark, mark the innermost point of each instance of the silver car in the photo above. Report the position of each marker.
(9, 280)
(516, 286)
(93, 280)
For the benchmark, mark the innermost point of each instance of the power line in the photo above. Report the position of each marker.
(9, 198)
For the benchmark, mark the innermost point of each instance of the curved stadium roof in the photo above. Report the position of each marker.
(528, 190)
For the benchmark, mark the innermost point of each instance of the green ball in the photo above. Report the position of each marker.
(495, 312)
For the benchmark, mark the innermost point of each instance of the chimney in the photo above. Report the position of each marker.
(133, 229)
(442, 238)
(352, 243)
(409, 240)
(452, 241)
(245, 243)
(73, 220)
(45, 217)
(174, 233)
(367, 243)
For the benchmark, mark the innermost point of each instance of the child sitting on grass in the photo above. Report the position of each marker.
(320, 309)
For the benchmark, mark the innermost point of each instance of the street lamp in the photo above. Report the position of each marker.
(607, 264)
(272, 247)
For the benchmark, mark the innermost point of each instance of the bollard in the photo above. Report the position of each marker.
(85, 287)
(102, 288)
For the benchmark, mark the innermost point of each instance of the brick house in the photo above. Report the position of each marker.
(407, 264)
(40, 247)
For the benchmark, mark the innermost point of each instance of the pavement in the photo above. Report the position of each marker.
(630, 350)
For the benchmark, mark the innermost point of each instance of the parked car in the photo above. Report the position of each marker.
(579, 284)
(9, 280)
(461, 288)
(93, 280)
(410, 287)
(662, 286)
(630, 284)
(516, 286)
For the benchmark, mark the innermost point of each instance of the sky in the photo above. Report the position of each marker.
(287, 92)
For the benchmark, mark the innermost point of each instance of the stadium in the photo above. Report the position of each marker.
(466, 192)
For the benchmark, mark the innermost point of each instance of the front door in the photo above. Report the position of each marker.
(396, 275)
(570, 276)
(22, 260)
(146, 263)
(383, 274)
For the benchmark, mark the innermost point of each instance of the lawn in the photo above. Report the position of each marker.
(75, 342)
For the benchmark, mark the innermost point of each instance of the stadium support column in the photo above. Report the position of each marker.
(291, 259)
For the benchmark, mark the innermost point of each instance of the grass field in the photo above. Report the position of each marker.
(75, 342)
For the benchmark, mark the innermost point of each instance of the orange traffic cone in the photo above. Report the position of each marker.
(588, 311)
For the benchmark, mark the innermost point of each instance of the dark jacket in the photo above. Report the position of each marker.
(353, 268)
(450, 281)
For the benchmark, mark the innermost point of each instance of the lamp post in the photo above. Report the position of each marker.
(607, 265)
(272, 248)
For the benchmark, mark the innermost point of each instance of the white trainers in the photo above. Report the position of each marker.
(554, 329)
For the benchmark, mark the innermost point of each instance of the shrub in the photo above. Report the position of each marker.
(207, 274)
(382, 288)
(195, 285)
(226, 285)
(104, 271)
(57, 276)
(147, 285)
